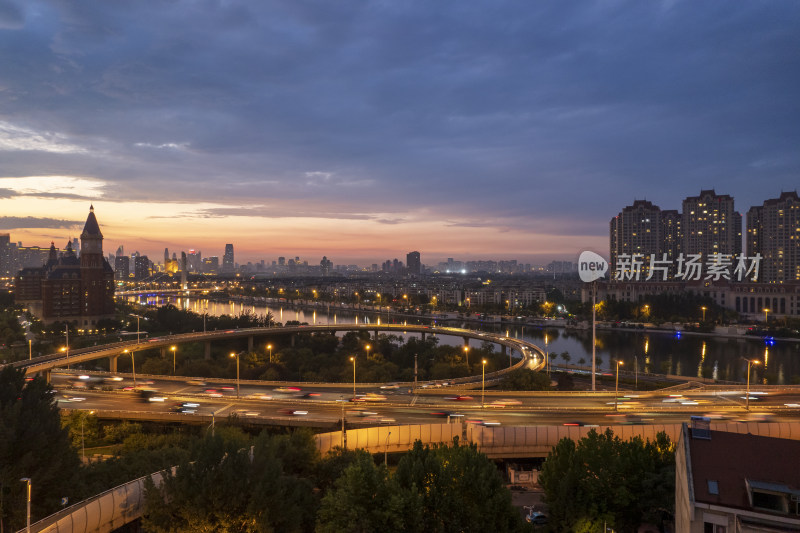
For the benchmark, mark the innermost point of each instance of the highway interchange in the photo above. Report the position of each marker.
(323, 406)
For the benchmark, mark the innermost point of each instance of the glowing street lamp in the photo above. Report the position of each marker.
(703, 309)
(367, 348)
(269, 347)
(353, 359)
(236, 355)
(133, 366)
(466, 354)
(766, 316)
(747, 393)
(173, 349)
(28, 523)
(616, 385)
(483, 381)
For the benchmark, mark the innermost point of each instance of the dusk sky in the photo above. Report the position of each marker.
(364, 130)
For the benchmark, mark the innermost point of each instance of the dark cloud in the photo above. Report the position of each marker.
(11, 15)
(7, 223)
(550, 114)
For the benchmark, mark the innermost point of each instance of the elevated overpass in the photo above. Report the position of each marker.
(46, 363)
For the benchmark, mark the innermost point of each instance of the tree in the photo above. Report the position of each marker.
(604, 479)
(525, 379)
(453, 489)
(231, 486)
(364, 499)
(32, 444)
(566, 357)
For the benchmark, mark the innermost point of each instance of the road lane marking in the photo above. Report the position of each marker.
(414, 400)
(218, 411)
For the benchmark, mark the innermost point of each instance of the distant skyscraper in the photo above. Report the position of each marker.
(166, 255)
(326, 265)
(142, 267)
(6, 261)
(227, 259)
(773, 230)
(710, 225)
(413, 263)
(122, 267)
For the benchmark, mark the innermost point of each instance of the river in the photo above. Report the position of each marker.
(684, 354)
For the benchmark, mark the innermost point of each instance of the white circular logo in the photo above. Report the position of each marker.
(591, 266)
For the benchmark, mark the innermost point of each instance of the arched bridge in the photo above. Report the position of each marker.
(45, 363)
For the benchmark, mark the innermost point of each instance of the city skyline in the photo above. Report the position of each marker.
(362, 132)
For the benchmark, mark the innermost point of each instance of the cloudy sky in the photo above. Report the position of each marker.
(362, 130)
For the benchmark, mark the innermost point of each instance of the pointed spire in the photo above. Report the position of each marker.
(91, 228)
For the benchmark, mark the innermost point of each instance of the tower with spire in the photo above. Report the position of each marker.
(97, 276)
(79, 290)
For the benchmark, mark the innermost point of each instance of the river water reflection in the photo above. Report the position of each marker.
(658, 352)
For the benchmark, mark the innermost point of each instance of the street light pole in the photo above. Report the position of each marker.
(386, 450)
(133, 366)
(269, 347)
(483, 381)
(616, 385)
(546, 355)
(173, 348)
(30, 349)
(766, 316)
(353, 359)
(67, 346)
(28, 522)
(236, 355)
(368, 347)
(703, 309)
(466, 354)
(747, 393)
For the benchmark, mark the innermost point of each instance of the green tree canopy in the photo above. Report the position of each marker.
(605, 479)
(34, 445)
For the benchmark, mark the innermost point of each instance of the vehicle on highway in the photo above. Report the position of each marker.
(372, 397)
(70, 398)
(307, 395)
(259, 396)
(390, 386)
(447, 414)
(287, 389)
(293, 412)
(460, 398)
(505, 402)
(196, 382)
(186, 407)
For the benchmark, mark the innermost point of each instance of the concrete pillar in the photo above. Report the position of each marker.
(292, 339)
(376, 335)
(503, 349)
(250, 343)
(47, 376)
(466, 342)
(163, 352)
(112, 363)
(423, 336)
(208, 350)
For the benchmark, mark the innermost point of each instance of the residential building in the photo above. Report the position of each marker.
(729, 482)
(773, 230)
(710, 225)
